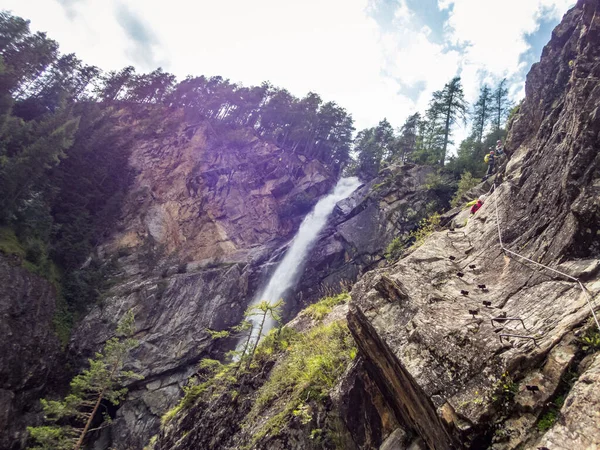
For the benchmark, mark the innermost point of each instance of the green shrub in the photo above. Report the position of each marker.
(590, 341)
(395, 249)
(277, 341)
(547, 420)
(504, 390)
(9, 244)
(466, 183)
(550, 417)
(426, 227)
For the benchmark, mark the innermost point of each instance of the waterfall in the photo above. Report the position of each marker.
(290, 267)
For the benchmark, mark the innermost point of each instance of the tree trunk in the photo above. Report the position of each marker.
(446, 137)
(257, 340)
(96, 406)
(89, 421)
(244, 351)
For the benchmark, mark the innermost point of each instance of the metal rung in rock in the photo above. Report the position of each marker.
(506, 319)
(517, 336)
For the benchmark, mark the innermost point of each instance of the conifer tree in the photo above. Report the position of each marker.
(44, 145)
(407, 142)
(482, 112)
(451, 104)
(70, 419)
(501, 105)
(264, 309)
(430, 138)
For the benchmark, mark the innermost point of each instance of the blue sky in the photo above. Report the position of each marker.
(377, 58)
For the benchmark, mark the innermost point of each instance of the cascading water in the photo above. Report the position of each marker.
(286, 274)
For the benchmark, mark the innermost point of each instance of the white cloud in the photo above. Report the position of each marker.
(493, 36)
(494, 32)
(332, 47)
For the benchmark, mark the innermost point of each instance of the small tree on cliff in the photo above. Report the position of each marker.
(70, 419)
(263, 309)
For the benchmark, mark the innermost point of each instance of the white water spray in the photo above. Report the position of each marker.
(286, 274)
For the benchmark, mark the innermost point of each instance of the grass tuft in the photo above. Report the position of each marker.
(319, 310)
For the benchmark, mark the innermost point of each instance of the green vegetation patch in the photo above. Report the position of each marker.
(310, 368)
(550, 417)
(466, 183)
(319, 310)
(426, 227)
(9, 243)
(395, 249)
(590, 340)
(504, 391)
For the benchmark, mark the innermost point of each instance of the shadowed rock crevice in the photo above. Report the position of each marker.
(410, 404)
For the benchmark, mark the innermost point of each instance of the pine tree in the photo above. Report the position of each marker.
(407, 142)
(70, 419)
(501, 105)
(451, 104)
(114, 84)
(384, 138)
(369, 154)
(44, 146)
(430, 137)
(264, 309)
(482, 112)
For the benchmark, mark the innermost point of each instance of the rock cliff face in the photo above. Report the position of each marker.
(463, 344)
(205, 211)
(211, 212)
(362, 226)
(29, 348)
(207, 218)
(428, 336)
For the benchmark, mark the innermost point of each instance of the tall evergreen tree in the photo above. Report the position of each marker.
(451, 104)
(372, 146)
(430, 139)
(25, 55)
(114, 84)
(407, 141)
(369, 154)
(501, 105)
(29, 151)
(482, 112)
(384, 138)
